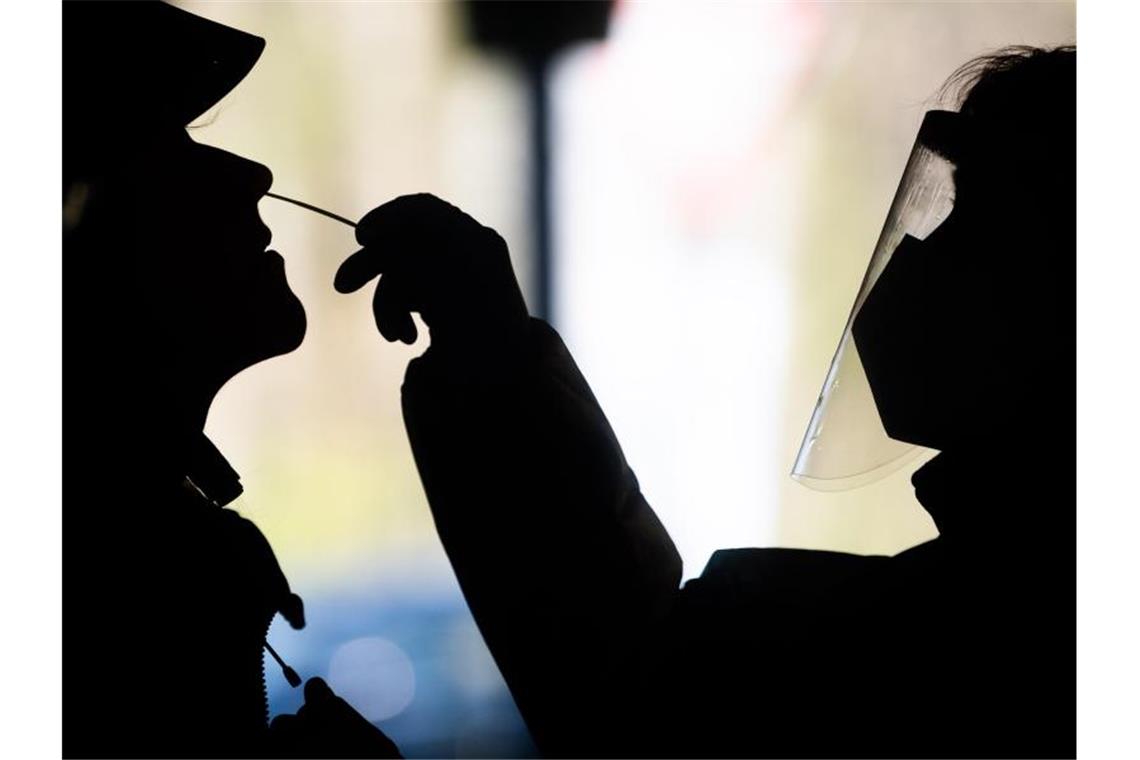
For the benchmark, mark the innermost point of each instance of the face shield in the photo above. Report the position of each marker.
(845, 445)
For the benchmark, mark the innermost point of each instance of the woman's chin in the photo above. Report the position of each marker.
(288, 331)
(275, 329)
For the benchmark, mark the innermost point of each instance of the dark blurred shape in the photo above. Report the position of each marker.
(534, 33)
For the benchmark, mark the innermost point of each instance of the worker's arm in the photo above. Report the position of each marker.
(567, 570)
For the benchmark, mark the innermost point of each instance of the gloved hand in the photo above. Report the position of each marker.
(327, 726)
(438, 261)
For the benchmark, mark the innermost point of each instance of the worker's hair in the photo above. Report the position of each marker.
(1021, 117)
(1017, 83)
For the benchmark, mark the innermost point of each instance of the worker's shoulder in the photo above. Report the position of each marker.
(795, 577)
(745, 568)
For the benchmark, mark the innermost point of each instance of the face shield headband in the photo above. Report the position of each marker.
(845, 445)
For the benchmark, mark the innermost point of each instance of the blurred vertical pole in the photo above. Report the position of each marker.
(534, 33)
(541, 211)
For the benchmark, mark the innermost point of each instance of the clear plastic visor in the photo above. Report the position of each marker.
(845, 445)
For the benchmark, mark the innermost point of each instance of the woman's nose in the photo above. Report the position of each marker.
(262, 178)
(244, 176)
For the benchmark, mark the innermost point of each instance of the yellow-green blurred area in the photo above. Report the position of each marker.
(721, 172)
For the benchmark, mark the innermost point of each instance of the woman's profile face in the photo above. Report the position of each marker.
(202, 258)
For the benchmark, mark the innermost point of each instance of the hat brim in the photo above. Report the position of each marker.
(146, 63)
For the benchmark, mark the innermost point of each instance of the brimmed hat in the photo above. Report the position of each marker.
(132, 67)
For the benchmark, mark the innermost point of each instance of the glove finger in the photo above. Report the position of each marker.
(390, 308)
(359, 268)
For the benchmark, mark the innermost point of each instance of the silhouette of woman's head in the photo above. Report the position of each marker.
(968, 336)
(166, 264)
(200, 261)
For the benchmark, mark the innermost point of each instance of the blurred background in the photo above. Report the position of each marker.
(717, 176)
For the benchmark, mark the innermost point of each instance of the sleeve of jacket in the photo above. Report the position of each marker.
(566, 569)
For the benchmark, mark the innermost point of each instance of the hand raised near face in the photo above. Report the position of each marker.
(436, 260)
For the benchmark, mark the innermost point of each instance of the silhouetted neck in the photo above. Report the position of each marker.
(152, 417)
